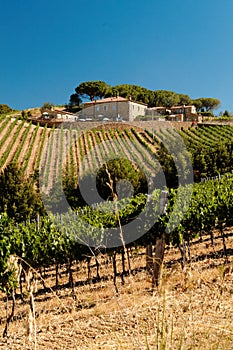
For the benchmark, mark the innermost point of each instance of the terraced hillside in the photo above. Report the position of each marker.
(22, 142)
(75, 151)
(93, 297)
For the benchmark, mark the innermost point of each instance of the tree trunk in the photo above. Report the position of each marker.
(123, 265)
(21, 285)
(128, 259)
(182, 248)
(9, 318)
(71, 280)
(189, 251)
(149, 258)
(57, 280)
(212, 238)
(224, 244)
(97, 269)
(114, 271)
(88, 268)
(158, 260)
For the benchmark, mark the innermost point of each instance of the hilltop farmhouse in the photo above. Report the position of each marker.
(114, 108)
(121, 108)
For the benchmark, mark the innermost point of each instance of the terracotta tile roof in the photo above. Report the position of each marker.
(158, 107)
(108, 99)
(174, 107)
(112, 99)
(178, 107)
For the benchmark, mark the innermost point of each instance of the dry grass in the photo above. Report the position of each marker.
(192, 309)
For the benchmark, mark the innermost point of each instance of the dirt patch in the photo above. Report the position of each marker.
(192, 309)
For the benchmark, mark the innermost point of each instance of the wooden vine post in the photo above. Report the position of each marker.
(158, 260)
(160, 244)
(149, 257)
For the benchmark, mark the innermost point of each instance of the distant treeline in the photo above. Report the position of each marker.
(97, 89)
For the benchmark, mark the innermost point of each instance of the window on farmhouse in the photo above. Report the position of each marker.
(105, 108)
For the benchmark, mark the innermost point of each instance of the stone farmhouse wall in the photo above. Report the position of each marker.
(106, 110)
(149, 125)
(136, 109)
(126, 109)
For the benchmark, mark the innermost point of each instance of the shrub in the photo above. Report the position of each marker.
(4, 109)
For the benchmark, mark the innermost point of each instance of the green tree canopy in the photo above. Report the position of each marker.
(120, 177)
(206, 103)
(98, 89)
(18, 196)
(91, 89)
(166, 98)
(75, 100)
(210, 103)
(136, 92)
(198, 104)
(47, 106)
(226, 114)
(184, 100)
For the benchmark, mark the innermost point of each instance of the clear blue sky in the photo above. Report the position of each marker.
(49, 47)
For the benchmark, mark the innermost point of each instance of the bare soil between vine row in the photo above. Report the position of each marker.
(192, 309)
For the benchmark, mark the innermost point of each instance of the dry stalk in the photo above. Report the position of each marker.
(115, 199)
(32, 309)
(31, 325)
